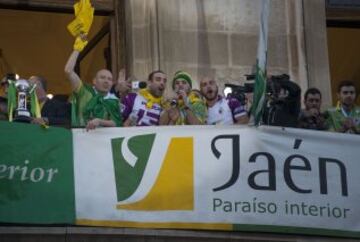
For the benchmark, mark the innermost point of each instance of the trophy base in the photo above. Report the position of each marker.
(22, 119)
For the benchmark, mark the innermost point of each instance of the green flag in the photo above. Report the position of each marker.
(260, 79)
(36, 174)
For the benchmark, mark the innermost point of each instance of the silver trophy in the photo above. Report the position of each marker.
(22, 113)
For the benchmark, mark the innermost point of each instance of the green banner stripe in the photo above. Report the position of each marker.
(36, 174)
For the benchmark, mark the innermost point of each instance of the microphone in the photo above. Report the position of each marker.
(180, 97)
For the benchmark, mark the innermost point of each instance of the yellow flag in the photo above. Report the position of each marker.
(84, 13)
(78, 7)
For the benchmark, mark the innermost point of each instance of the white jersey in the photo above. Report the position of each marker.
(225, 111)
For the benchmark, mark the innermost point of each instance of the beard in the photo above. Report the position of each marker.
(157, 92)
(348, 101)
(211, 95)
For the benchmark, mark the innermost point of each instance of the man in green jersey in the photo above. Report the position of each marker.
(92, 106)
(345, 118)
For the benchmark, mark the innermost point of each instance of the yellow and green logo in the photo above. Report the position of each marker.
(173, 186)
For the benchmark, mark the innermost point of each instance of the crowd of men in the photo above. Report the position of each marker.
(109, 104)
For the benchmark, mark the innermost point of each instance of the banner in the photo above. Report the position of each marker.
(36, 174)
(224, 178)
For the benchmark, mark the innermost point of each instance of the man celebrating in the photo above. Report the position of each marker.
(345, 117)
(188, 107)
(220, 110)
(92, 106)
(311, 117)
(144, 108)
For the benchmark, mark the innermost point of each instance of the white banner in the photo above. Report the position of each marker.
(227, 178)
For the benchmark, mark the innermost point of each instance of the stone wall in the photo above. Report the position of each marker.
(213, 37)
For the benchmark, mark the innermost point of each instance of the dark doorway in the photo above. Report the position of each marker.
(34, 40)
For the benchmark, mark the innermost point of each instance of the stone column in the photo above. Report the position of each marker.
(317, 57)
(141, 37)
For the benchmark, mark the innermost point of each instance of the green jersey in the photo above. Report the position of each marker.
(337, 117)
(87, 104)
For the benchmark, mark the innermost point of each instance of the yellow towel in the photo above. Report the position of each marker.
(84, 15)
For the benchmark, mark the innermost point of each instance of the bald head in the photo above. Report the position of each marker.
(103, 72)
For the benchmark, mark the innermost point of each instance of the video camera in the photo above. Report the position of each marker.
(239, 92)
(282, 99)
(273, 87)
(275, 84)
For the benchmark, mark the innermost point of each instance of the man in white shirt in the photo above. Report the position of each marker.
(223, 111)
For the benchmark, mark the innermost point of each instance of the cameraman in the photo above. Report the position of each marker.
(283, 104)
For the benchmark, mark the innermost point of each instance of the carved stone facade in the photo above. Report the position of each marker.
(220, 38)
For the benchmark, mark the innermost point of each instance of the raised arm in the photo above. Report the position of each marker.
(70, 70)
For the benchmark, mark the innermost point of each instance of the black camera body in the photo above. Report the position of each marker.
(275, 83)
(283, 99)
(239, 92)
